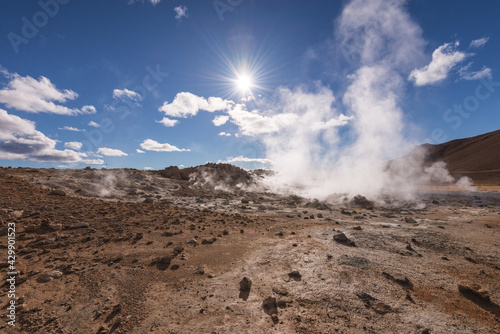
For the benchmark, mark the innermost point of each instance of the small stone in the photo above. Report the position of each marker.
(225, 232)
(341, 237)
(48, 276)
(58, 192)
(357, 228)
(192, 227)
(295, 275)
(199, 271)
(410, 220)
(192, 242)
(275, 318)
(467, 286)
(380, 307)
(319, 215)
(281, 304)
(269, 305)
(245, 284)
(76, 225)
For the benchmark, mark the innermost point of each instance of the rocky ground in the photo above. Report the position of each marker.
(126, 251)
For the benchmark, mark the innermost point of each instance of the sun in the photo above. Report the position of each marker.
(244, 83)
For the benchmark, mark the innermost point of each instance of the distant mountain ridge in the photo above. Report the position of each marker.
(477, 157)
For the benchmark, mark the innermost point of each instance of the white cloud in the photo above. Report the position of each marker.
(153, 2)
(220, 120)
(152, 145)
(465, 74)
(181, 12)
(245, 159)
(477, 43)
(94, 124)
(186, 104)
(19, 140)
(74, 145)
(121, 94)
(93, 161)
(88, 110)
(70, 128)
(110, 152)
(148, 168)
(252, 123)
(444, 59)
(224, 134)
(140, 151)
(168, 122)
(38, 96)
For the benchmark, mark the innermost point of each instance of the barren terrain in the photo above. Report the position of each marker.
(127, 251)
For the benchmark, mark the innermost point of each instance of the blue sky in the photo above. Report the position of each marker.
(157, 83)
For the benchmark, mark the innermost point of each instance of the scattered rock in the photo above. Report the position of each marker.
(76, 225)
(270, 306)
(161, 263)
(295, 275)
(58, 192)
(469, 287)
(281, 304)
(341, 238)
(199, 271)
(245, 284)
(399, 279)
(380, 307)
(48, 276)
(354, 261)
(193, 242)
(410, 220)
(360, 201)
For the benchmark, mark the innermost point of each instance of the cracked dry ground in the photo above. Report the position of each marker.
(129, 268)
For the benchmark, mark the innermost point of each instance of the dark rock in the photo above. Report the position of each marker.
(295, 275)
(469, 287)
(245, 284)
(360, 201)
(270, 306)
(410, 220)
(199, 271)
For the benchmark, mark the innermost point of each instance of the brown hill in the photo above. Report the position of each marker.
(476, 157)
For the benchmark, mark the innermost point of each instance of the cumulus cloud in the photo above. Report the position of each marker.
(148, 168)
(93, 124)
(139, 151)
(39, 96)
(152, 145)
(110, 152)
(466, 74)
(245, 159)
(153, 2)
(477, 43)
(122, 94)
(70, 128)
(93, 161)
(168, 122)
(220, 120)
(187, 104)
(19, 140)
(225, 134)
(181, 12)
(444, 59)
(74, 145)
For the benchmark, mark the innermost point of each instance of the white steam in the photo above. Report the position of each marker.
(315, 154)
